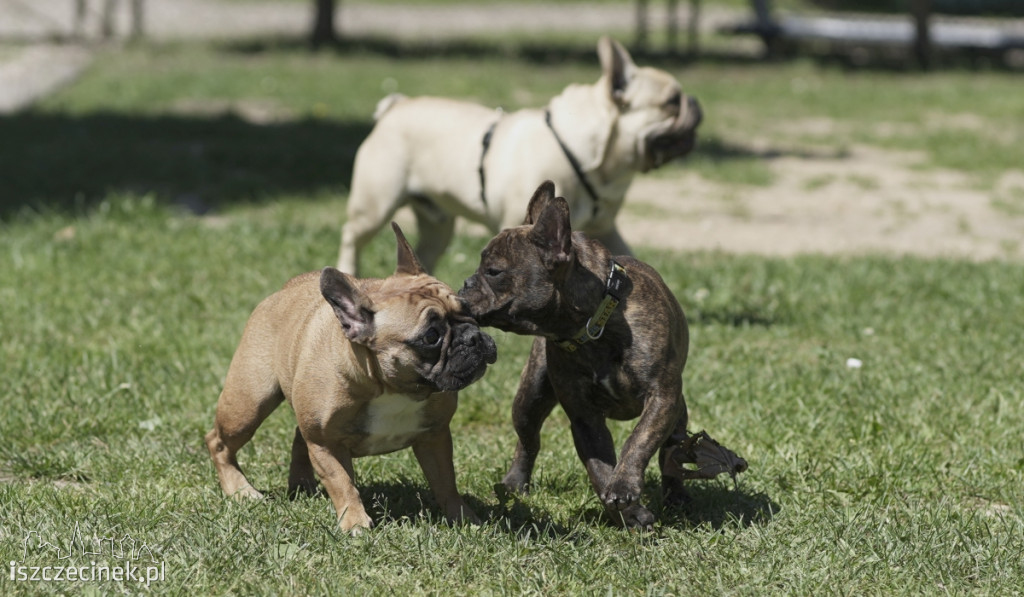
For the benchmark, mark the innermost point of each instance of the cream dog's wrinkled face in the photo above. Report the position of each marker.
(658, 121)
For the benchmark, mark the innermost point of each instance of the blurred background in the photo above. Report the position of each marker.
(820, 114)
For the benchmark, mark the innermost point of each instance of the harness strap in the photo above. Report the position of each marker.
(572, 161)
(486, 143)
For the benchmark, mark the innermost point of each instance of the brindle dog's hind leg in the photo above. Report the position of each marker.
(673, 491)
(534, 401)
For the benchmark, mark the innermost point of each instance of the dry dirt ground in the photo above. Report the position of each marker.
(867, 200)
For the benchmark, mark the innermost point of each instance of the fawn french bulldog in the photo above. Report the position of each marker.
(368, 366)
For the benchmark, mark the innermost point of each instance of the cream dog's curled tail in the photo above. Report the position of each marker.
(385, 104)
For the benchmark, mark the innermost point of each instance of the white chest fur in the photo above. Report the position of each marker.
(392, 422)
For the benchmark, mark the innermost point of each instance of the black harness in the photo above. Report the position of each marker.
(485, 144)
(572, 161)
(483, 154)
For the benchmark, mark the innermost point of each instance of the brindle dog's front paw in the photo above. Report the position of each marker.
(638, 517)
(619, 495)
(516, 482)
(621, 499)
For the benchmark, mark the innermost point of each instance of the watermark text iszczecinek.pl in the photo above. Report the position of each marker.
(126, 572)
(125, 552)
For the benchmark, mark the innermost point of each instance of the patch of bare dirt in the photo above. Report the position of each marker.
(865, 201)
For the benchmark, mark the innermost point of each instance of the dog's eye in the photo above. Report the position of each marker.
(493, 272)
(432, 337)
(675, 101)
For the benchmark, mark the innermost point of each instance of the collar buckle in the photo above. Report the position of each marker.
(615, 291)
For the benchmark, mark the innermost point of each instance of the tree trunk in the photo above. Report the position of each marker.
(921, 10)
(138, 19)
(641, 25)
(323, 24)
(693, 44)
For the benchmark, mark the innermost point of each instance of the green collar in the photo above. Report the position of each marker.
(613, 295)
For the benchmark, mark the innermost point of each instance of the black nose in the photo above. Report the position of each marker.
(469, 284)
(693, 110)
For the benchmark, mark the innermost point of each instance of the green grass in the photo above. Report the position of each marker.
(906, 472)
(120, 313)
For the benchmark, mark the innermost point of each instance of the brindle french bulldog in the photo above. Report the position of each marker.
(611, 342)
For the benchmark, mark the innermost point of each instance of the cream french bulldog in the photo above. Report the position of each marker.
(449, 158)
(368, 366)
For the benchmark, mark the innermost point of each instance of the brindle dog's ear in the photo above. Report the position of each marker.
(552, 232)
(544, 195)
(408, 264)
(352, 307)
(618, 67)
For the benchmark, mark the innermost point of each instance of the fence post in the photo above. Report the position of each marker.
(693, 26)
(641, 24)
(672, 25)
(921, 13)
(323, 32)
(138, 19)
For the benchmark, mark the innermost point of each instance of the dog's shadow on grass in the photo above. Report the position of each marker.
(68, 163)
(712, 505)
(717, 505)
(408, 500)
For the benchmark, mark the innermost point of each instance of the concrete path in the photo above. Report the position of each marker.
(36, 71)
